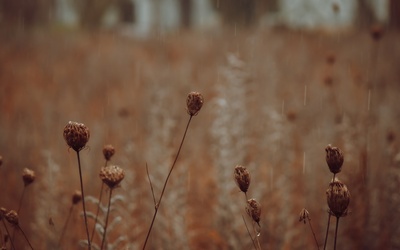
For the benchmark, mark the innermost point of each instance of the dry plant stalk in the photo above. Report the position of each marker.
(76, 198)
(77, 135)
(305, 216)
(194, 102)
(12, 218)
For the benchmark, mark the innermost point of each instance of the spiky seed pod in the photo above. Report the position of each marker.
(334, 158)
(76, 135)
(194, 102)
(338, 197)
(76, 197)
(112, 175)
(12, 217)
(304, 214)
(108, 151)
(376, 32)
(253, 209)
(242, 178)
(28, 176)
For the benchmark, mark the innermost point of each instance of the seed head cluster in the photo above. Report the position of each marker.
(242, 178)
(28, 176)
(112, 175)
(12, 217)
(334, 159)
(76, 135)
(108, 151)
(338, 197)
(194, 102)
(253, 209)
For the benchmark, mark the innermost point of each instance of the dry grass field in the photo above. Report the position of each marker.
(274, 99)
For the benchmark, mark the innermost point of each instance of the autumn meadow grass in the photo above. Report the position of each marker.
(273, 100)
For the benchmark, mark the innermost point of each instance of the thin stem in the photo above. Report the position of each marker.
(327, 229)
(248, 231)
(65, 225)
(254, 229)
(83, 201)
(8, 233)
(26, 238)
(97, 212)
(20, 199)
(337, 225)
(165, 184)
(151, 185)
(105, 227)
(312, 230)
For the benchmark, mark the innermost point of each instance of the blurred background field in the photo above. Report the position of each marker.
(277, 91)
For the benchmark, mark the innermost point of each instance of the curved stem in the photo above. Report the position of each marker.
(8, 233)
(312, 230)
(97, 212)
(165, 184)
(26, 238)
(327, 229)
(83, 201)
(65, 225)
(105, 227)
(20, 199)
(337, 225)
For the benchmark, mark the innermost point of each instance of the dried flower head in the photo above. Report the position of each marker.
(76, 135)
(194, 102)
(112, 175)
(242, 178)
(376, 32)
(338, 197)
(28, 176)
(304, 214)
(334, 158)
(12, 217)
(108, 151)
(253, 209)
(76, 197)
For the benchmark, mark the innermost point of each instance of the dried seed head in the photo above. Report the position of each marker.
(108, 151)
(334, 158)
(253, 209)
(12, 217)
(112, 175)
(376, 32)
(194, 102)
(76, 197)
(242, 178)
(28, 176)
(76, 135)
(304, 214)
(338, 197)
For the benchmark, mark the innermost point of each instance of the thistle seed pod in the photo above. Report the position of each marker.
(253, 209)
(111, 175)
(304, 214)
(28, 176)
(76, 197)
(12, 217)
(334, 158)
(194, 102)
(242, 178)
(76, 135)
(108, 151)
(338, 197)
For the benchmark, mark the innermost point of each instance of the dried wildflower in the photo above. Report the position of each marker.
(334, 158)
(108, 151)
(112, 175)
(76, 135)
(76, 197)
(242, 178)
(338, 197)
(376, 32)
(194, 102)
(28, 176)
(12, 217)
(304, 214)
(253, 209)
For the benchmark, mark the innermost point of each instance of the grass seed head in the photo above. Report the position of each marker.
(194, 102)
(338, 197)
(242, 178)
(76, 135)
(334, 158)
(111, 175)
(253, 209)
(12, 217)
(28, 176)
(108, 151)
(304, 214)
(76, 197)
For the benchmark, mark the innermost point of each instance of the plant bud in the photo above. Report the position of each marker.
(112, 175)
(28, 176)
(304, 214)
(76, 135)
(334, 158)
(12, 217)
(194, 102)
(253, 209)
(338, 197)
(242, 178)
(108, 151)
